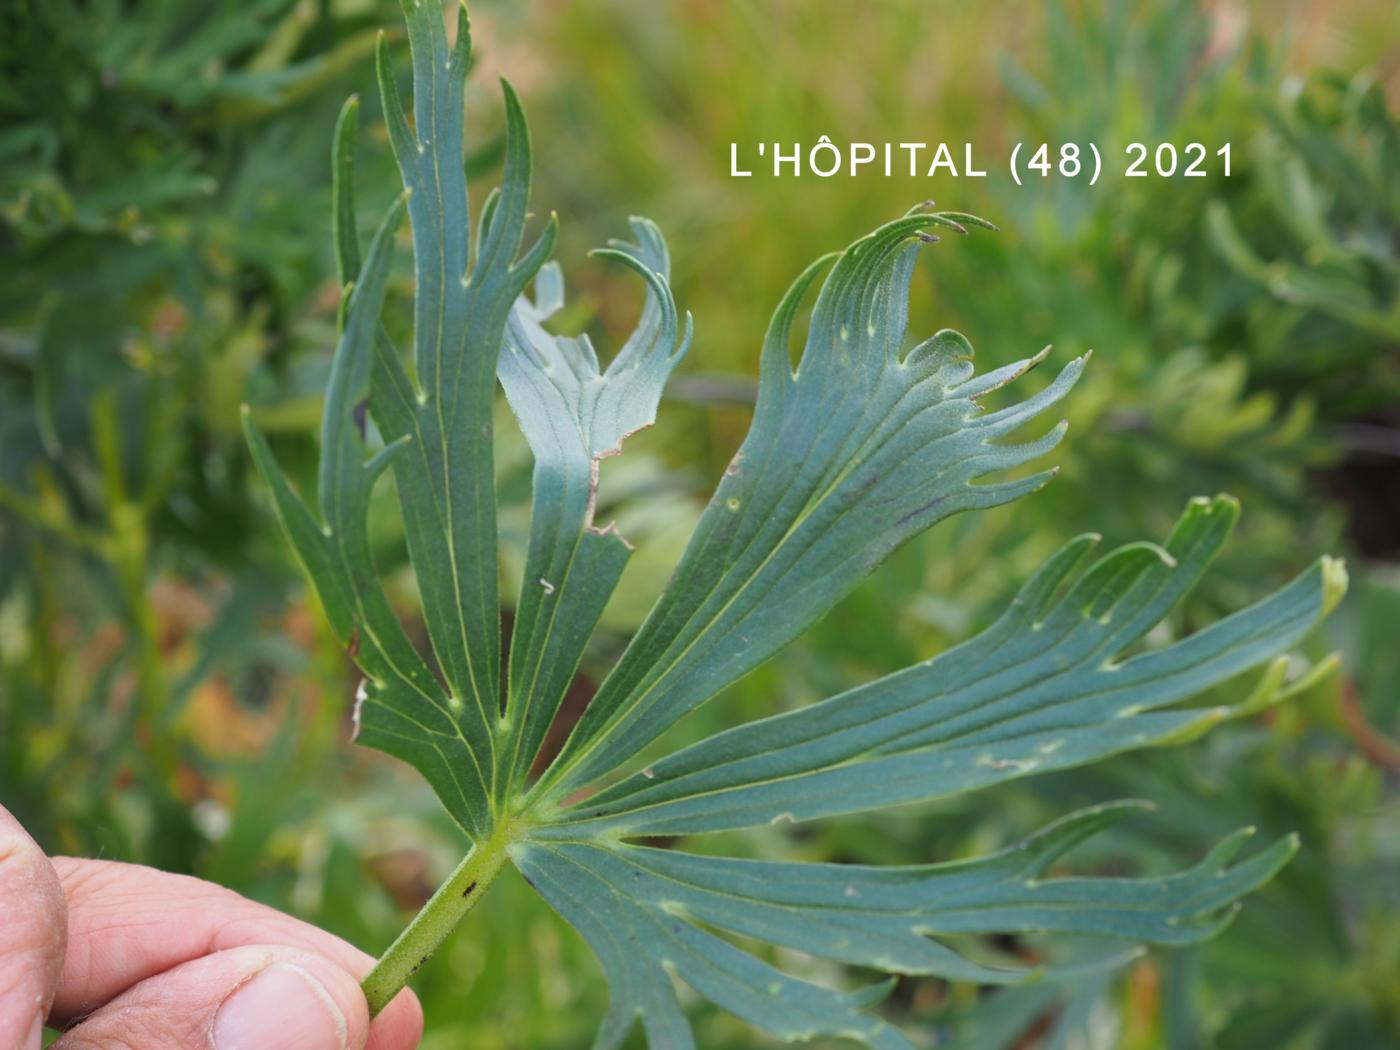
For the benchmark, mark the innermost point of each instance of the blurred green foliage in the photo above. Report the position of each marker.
(167, 696)
(163, 208)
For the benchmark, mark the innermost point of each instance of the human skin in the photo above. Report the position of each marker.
(124, 957)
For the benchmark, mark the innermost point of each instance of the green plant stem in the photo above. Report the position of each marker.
(430, 927)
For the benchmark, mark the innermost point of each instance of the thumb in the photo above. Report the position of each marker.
(249, 998)
(33, 933)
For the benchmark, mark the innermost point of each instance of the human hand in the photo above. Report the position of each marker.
(123, 956)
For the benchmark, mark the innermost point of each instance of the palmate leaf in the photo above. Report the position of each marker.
(854, 450)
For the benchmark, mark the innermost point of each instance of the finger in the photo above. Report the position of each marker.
(127, 922)
(33, 927)
(258, 997)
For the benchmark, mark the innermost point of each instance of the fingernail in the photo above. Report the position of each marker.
(35, 1039)
(282, 1008)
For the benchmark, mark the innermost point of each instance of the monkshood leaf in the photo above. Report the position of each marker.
(445, 478)
(852, 452)
(573, 414)
(1042, 689)
(860, 448)
(650, 913)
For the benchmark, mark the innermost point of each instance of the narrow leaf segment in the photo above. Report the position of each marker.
(574, 414)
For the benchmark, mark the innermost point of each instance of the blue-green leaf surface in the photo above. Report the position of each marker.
(651, 912)
(860, 446)
(1045, 687)
(863, 446)
(1041, 689)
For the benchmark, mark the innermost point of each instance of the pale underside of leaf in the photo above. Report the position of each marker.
(574, 414)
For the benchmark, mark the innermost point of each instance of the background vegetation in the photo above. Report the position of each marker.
(167, 696)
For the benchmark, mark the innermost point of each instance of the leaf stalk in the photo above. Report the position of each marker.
(436, 919)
